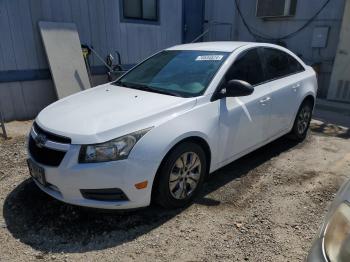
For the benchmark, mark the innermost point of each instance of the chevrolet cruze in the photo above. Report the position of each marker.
(156, 132)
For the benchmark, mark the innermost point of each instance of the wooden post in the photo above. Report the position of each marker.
(2, 124)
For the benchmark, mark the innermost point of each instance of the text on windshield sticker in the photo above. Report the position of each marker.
(209, 57)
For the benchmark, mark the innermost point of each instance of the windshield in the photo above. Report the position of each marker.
(180, 73)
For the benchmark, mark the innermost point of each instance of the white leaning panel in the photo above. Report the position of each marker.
(63, 50)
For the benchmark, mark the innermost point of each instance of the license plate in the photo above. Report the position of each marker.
(37, 172)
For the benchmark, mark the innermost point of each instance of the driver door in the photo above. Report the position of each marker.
(244, 121)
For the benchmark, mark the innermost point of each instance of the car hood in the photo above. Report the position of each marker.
(108, 111)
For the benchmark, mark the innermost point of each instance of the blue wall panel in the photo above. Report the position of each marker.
(22, 55)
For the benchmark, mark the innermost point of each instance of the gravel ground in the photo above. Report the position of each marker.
(266, 206)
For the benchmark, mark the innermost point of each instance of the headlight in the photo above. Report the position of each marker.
(337, 234)
(115, 149)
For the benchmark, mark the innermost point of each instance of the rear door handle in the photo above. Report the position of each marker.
(296, 86)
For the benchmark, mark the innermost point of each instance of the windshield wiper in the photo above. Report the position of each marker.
(119, 83)
(164, 92)
(146, 88)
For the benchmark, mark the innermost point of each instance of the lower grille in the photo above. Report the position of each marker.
(44, 155)
(106, 194)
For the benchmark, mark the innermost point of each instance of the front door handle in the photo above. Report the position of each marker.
(264, 100)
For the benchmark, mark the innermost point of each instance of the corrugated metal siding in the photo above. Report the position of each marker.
(225, 11)
(98, 23)
(340, 79)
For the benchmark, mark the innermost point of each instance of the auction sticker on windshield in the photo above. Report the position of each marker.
(209, 58)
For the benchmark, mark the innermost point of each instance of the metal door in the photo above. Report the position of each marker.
(193, 18)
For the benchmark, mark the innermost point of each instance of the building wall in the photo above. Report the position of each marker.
(99, 25)
(225, 11)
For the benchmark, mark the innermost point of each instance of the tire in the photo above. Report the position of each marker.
(302, 122)
(177, 186)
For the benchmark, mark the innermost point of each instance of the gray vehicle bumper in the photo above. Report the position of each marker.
(316, 253)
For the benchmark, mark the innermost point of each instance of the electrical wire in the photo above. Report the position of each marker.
(259, 35)
(100, 58)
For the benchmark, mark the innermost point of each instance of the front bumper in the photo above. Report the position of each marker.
(66, 181)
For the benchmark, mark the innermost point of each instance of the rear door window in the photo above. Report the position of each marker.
(279, 64)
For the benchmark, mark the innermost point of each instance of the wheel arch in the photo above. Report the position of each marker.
(194, 139)
(310, 98)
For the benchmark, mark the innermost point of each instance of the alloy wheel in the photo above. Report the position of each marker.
(185, 175)
(303, 119)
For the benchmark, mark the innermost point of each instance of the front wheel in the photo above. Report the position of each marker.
(181, 176)
(302, 122)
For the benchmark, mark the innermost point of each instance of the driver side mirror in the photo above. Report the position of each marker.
(235, 88)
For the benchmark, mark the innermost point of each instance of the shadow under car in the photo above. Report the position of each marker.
(49, 225)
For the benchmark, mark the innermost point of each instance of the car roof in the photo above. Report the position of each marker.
(224, 46)
(230, 46)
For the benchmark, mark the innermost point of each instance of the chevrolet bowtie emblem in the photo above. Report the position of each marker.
(40, 140)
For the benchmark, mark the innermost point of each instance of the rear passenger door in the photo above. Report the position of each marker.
(282, 75)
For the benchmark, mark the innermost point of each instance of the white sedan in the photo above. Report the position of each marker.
(156, 132)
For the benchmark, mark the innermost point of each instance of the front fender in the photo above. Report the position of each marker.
(201, 121)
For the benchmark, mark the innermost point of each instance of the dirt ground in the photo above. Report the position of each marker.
(266, 206)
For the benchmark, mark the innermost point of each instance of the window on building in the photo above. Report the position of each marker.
(140, 9)
(278, 64)
(247, 67)
(275, 8)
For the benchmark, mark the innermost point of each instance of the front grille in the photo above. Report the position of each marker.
(50, 136)
(105, 194)
(44, 155)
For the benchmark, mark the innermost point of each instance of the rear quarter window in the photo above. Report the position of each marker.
(279, 64)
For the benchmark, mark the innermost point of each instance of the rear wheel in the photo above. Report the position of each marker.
(302, 121)
(181, 176)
